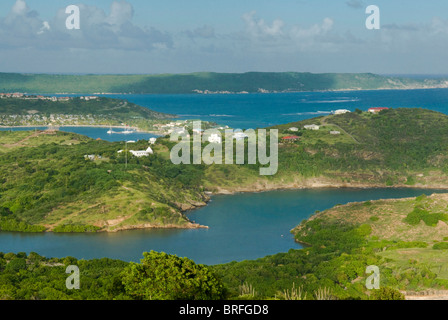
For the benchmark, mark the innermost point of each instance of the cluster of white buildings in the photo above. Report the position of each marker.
(311, 127)
(87, 98)
(171, 127)
(142, 153)
(341, 111)
(19, 95)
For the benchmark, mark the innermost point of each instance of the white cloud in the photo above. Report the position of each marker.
(120, 13)
(277, 36)
(260, 29)
(45, 27)
(99, 30)
(19, 8)
(314, 31)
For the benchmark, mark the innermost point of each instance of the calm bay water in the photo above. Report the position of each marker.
(242, 226)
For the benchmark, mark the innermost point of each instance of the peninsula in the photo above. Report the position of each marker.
(208, 83)
(56, 181)
(40, 111)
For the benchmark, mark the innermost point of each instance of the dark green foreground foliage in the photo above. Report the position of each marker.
(333, 268)
(159, 276)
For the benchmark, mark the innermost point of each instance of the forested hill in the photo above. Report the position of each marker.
(400, 140)
(397, 147)
(207, 82)
(116, 108)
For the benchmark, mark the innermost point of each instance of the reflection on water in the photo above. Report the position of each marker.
(242, 226)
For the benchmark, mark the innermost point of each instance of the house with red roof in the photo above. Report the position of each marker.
(291, 138)
(377, 109)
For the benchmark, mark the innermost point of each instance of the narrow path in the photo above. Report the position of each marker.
(324, 122)
(19, 143)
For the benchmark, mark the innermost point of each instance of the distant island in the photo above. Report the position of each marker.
(208, 83)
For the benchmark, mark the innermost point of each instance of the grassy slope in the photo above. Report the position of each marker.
(45, 180)
(388, 149)
(186, 83)
(399, 147)
(405, 247)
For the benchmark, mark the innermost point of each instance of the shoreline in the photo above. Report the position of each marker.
(320, 185)
(137, 129)
(193, 225)
(239, 93)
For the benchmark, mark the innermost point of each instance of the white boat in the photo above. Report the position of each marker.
(120, 132)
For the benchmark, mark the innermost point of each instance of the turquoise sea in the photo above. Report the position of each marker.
(262, 110)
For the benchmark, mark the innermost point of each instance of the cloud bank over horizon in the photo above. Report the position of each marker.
(117, 39)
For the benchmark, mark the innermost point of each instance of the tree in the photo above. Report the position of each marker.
(10, 256)
(160, 276)
(4, 212)
(16, 265)
(387, 294)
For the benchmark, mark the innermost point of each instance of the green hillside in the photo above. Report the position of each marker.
(77, 111)
(214, 82)
(46, 184)
(397, 147)
(118, 109)
(47, 181)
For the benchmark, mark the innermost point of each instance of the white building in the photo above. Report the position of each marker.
(199, 131)
(142, 153)
(335, 132)
(215, 138)
(312, 127)
(152, 140)
(139, 153)
(294, 129)
(180, 131)
(240, 136)
(342, 111)
(90, 157)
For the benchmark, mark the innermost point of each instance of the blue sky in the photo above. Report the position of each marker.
(178, 36)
